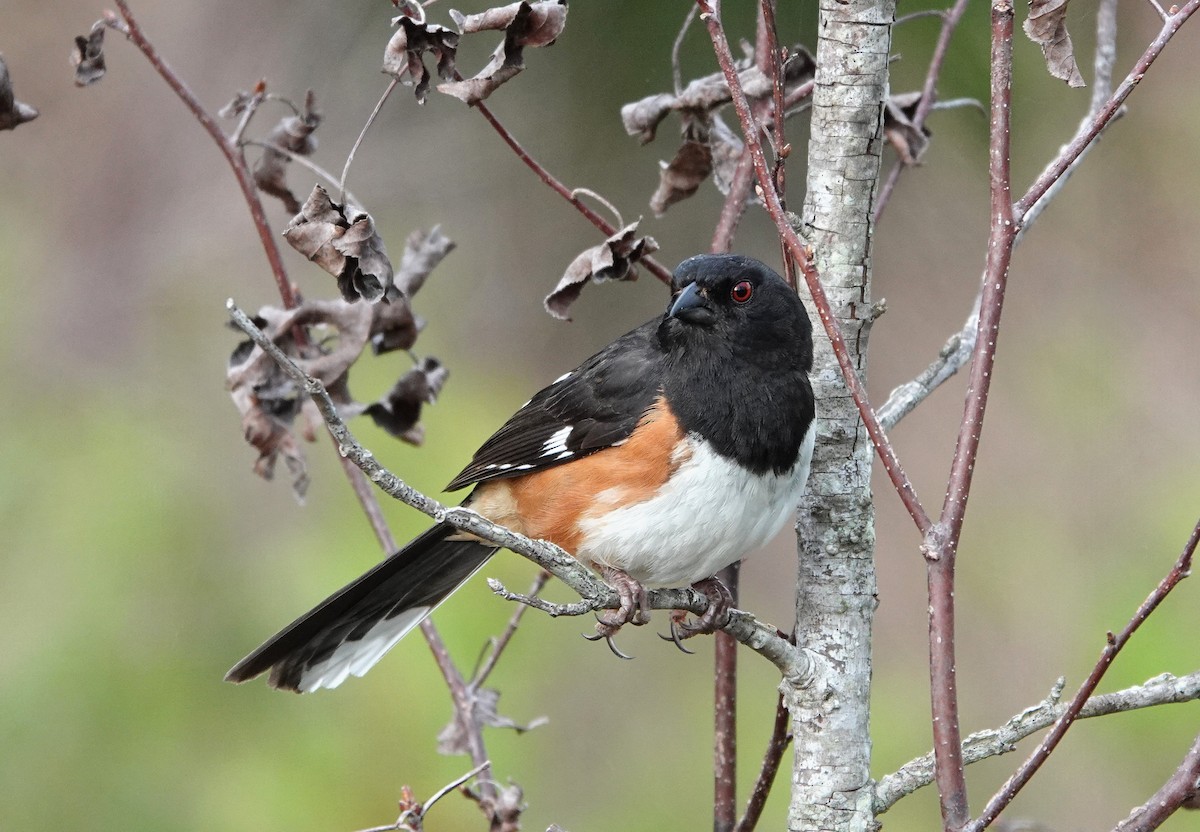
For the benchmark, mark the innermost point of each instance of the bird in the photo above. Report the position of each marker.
(663, 458)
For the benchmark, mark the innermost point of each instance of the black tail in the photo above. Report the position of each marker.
(351, 630)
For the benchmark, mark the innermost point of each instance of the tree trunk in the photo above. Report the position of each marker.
(836, 600)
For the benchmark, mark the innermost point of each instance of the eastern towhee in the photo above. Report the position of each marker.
(660, 460)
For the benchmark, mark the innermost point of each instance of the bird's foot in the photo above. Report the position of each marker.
(720, 602)
(634, 608)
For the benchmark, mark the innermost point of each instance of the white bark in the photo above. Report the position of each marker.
(831, 784)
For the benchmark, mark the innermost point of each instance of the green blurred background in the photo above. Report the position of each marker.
(141, 557)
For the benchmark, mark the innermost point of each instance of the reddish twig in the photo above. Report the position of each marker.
(1014, 784)
(228, 148)
(768, 46)
(710, 13)
(780, 739)
(941, 543)
(950, 21)
(1181, 786)
(725, 718)
(652, 265)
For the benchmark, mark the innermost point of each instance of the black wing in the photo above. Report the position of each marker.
(596, 405)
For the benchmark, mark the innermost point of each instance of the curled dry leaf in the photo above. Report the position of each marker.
(399, 412)
(613, 259)
(403, 58)
(703, 95)
(294, 133)
(692, 164)
(909, 141)
(453, 738)
(344, 245)
(524, 24)
(12, 111)
(395, 327)
(88, 56)
(1047, 27)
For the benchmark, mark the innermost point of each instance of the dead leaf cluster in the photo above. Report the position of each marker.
(325, 337)
(708, 147)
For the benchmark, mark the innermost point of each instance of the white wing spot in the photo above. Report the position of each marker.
(563, 377)
(556, 444)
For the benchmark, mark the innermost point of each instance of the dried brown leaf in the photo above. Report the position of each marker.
(346, 246)
(453, 739)
(1047, 27)
(399, 412)
(88, 56)
(693, 163)
(614, 259)
(544, 23)
(524, 24)
(294, 133)
(910, 142)
(403, 58)
(12, 111)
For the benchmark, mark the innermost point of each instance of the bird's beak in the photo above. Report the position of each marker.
(692, 307)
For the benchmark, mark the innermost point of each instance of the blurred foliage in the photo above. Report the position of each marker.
(141, 558)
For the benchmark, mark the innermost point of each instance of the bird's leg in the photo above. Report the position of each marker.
(720, 602)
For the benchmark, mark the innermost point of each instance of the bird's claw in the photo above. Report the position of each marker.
(608, 639)
(676, 620)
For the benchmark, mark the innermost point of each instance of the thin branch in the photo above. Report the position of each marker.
(552, 609)
(780, 739)
(792, 661)
(252, 106)
(652, 265)
(362, 135)
(232, 153)
(950, 21)
(1014, 784)
(710, 13)
(916, 774)
(1181, 786)
(676, 73)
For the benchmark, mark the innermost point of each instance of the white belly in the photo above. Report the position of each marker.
(708, 515)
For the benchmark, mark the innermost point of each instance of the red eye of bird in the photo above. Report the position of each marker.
(741, 291)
